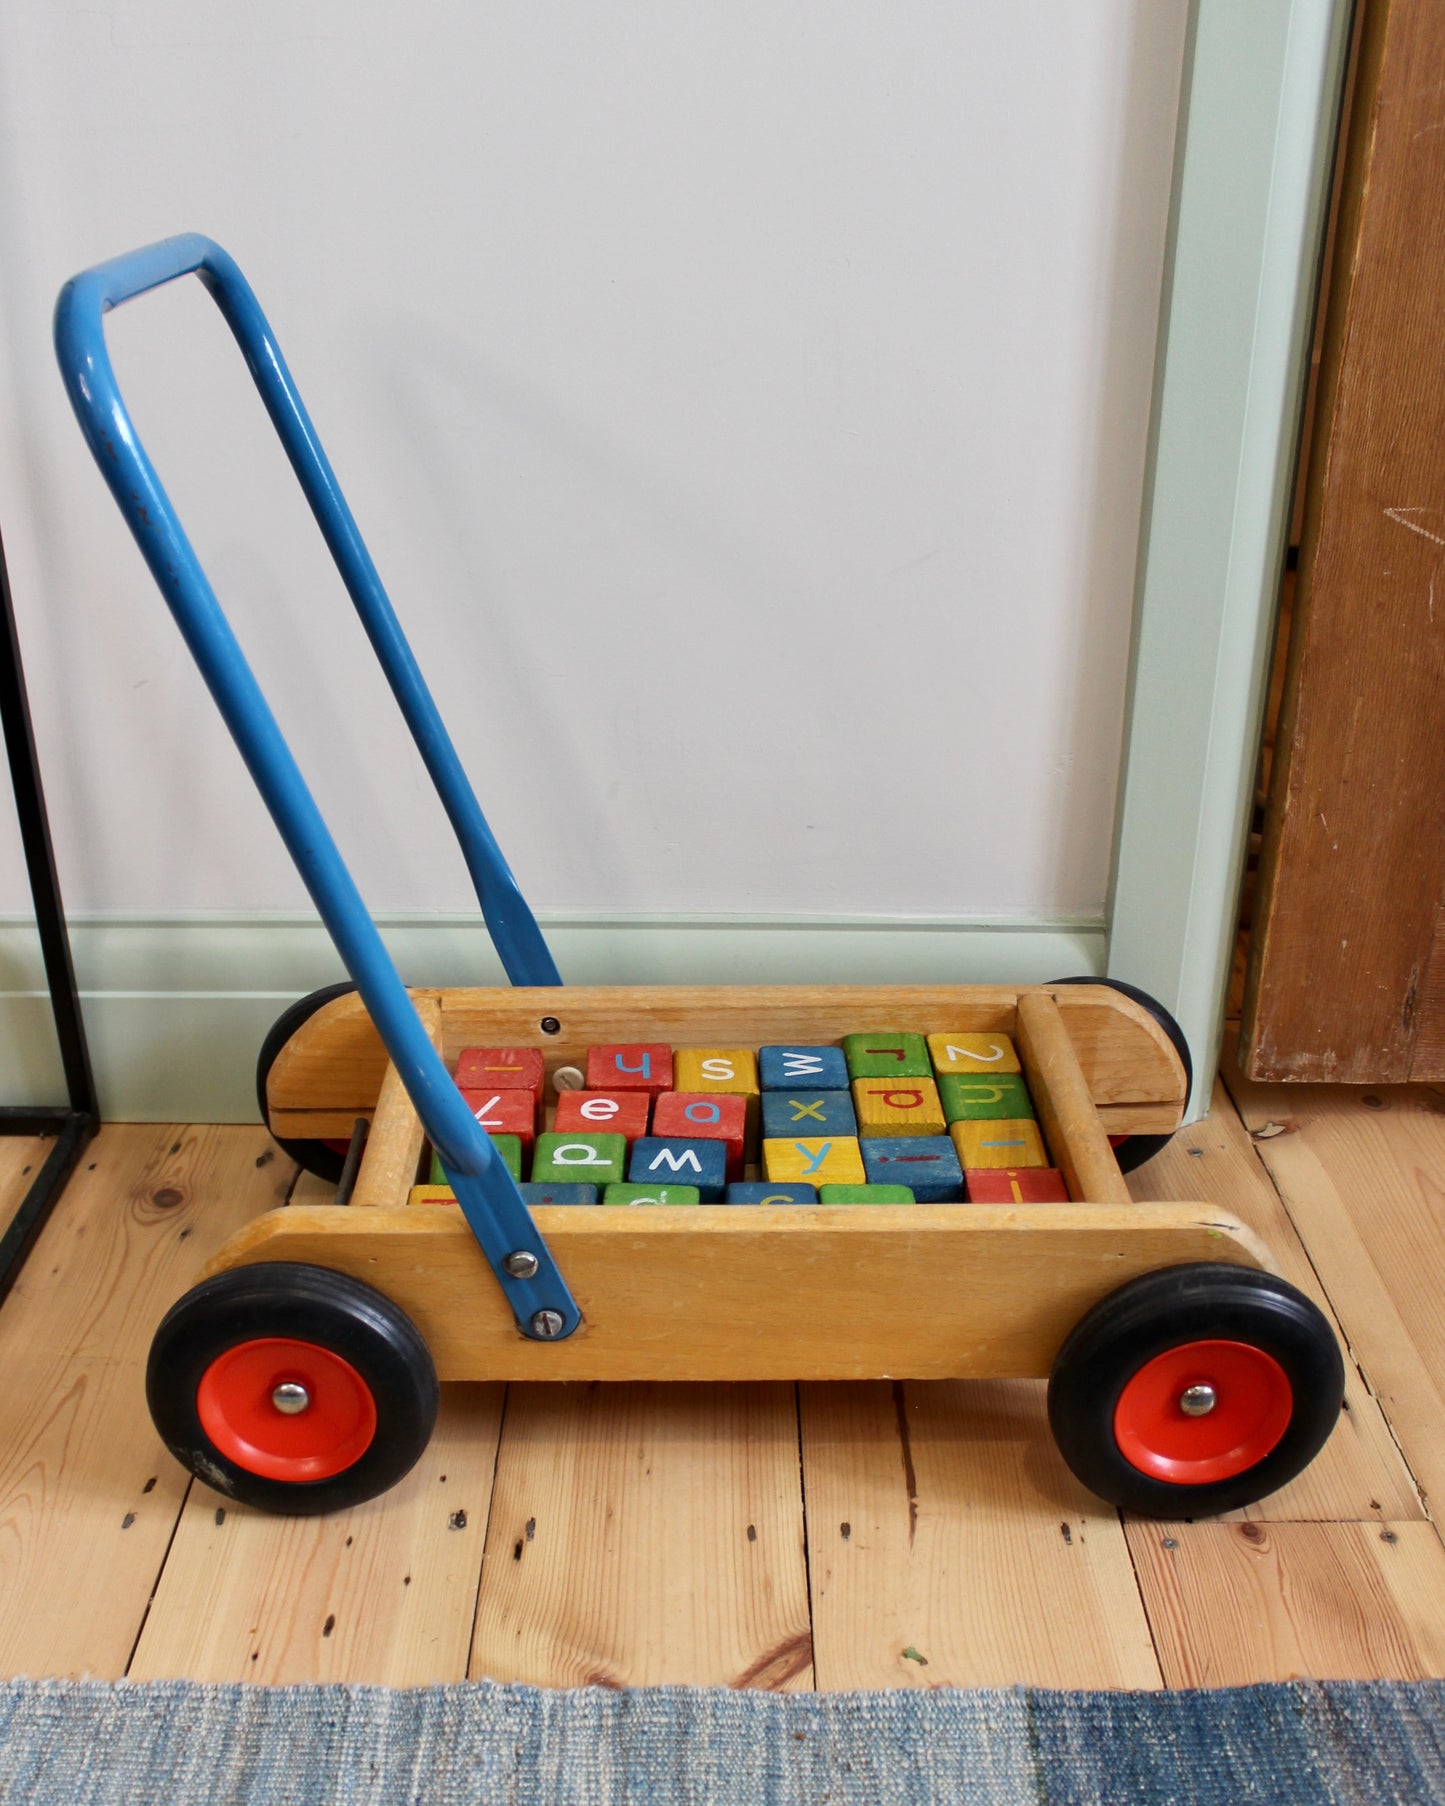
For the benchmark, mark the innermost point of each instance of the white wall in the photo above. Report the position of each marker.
(745, 404)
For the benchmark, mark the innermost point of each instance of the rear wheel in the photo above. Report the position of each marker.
(1195, 1390)
(1132, 1151)
(291, 1387)
(323, 1158)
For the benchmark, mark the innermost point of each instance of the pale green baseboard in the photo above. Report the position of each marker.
(176, 1008)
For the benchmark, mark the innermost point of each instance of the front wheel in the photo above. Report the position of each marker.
(1195, 1390)
(291, 1388)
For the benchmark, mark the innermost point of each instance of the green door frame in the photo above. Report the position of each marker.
(1259, 113)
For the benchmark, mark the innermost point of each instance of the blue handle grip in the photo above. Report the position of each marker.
(485, 1190)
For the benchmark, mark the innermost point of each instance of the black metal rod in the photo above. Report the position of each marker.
(40, 861)
(46, 1187)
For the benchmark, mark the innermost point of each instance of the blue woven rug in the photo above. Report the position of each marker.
(175, 1743)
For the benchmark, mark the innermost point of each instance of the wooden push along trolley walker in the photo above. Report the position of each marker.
(301, 1374)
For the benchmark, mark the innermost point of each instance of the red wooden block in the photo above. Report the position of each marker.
(505, 1113)
(610, 1112)
(1014, 1185)
(501, 1068)
(697, 1116)
(642, 1067)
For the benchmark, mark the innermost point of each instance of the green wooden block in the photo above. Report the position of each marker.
(652, 1194)
(594, 1159)
(864, 1194)
(974, 1097)
(887, 1056)
(508, 1146)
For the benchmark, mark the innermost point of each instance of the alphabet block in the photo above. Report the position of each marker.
(651, 1194)
(972, 1053)
(644, 1067)
(533, 1193)
(603, 1112)
(1015, 1142)
(1016, 1185)
(601, 1158)
(865, 1194)
(969, 1097)
(886, 1056)
(689, 1116)
(505, 1112)
(431, 1194)
(733, 1070)
(927, 1164)
(898, 1107)
(501, 1069)
(835, 1161)
(700, 1163)
(755, 1193)
(820, 1067)
(508, 1146)
(812, 1113)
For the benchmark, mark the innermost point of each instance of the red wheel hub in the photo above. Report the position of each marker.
(1252, 1402)
(310, 1440)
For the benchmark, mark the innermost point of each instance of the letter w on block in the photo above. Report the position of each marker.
(685, 1161)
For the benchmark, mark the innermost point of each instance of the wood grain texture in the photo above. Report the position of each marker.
(383, 1593)
(1359, 1474)
(923, 1290)
(88, 1496)
(1362, 1173)
(949, 1546)
(1231, 1604)
(1065, 1110)
(393, 1147)
(646, 1534)
(21, 1158)
(331, 1069)
(1352, 871)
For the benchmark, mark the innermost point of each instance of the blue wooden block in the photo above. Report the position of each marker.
(782, 1067)
(794, 1112)
(699, 1163)
(927, 1164)
(777, 1193)
(564, 1192)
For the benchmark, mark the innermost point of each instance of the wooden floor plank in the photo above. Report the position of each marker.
(1235, 1603)
(88, 1496)
(949, 1546)
(21, 1158)
(384, 1593)
(642, 1534)
(1359, 1473)
(1362, 1172)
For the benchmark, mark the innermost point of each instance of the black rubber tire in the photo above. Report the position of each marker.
(1134, 1150)
(311, 1304)
(1163, 1310)
(310, 1156)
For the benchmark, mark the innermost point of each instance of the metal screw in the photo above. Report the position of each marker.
(549, 1025)
(547, 1324)
(290, 1398)
(521, 1264)
(569, 1078)
(1197, 1401)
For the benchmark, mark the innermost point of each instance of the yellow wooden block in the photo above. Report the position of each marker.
(834, 1160)
(897, 1107)
(431, 1194)
(729, 1069)
(1013, 1142)
(972, 1053)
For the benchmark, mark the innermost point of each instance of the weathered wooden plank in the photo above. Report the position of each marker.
(1231, 1604)
(88, 1496)
(1360, 1172)
(383, 1593)
(646, 1534)
(949, 1546)
(1359, 1473)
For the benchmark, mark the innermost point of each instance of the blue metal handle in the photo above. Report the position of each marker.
(484, 1188)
